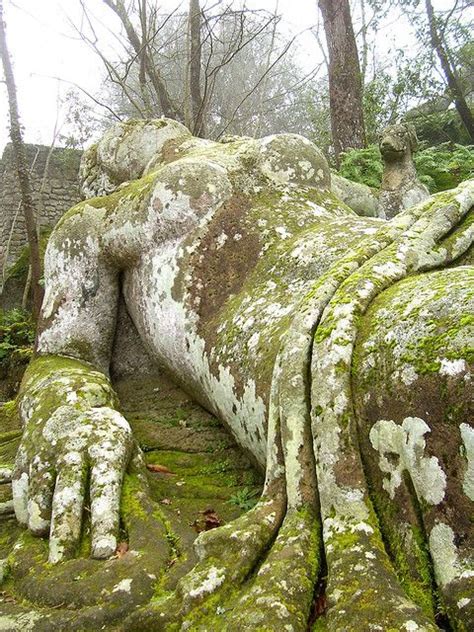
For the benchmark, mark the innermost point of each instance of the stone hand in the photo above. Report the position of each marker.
(58, 460)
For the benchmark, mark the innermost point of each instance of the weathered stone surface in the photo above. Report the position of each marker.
(359, 197)
(251, 284)
(124, 153)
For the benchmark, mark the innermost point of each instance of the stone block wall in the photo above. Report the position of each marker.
(60, 192)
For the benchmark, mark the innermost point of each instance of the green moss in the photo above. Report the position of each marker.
(320, 625)
(9, 419)
(127, 200)
(410, 556)
(411, 331)
(130, 505)
(19, 270)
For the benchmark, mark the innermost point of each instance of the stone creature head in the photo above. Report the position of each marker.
(397, 142)
(126, 152)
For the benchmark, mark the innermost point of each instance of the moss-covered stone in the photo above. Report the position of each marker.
(249, 283)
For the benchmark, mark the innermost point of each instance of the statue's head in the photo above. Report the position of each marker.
(397, 141)
(125, 152)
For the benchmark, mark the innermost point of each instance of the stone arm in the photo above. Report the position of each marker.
(73, 436)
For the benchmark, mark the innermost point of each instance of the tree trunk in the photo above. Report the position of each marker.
(345, 80)
(452, 78)
(197, 105)
(22, 170)
(153, 73)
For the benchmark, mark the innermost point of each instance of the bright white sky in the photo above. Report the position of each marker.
(43, 46)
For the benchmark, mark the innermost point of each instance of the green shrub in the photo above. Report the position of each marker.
(441, 167)
(445, 166)
(363, 165)
(17, 334)
(19, 269)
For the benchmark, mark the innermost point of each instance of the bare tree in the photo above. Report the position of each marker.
(454, 85)
(22, 170)
(345, 79)
(194, 30)
(208, 59)
(140, 48)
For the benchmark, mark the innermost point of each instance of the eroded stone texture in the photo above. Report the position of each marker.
(359, 197)
(251, 284)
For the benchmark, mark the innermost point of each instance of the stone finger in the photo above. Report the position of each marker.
(40, 495)
(68, 501)
(109, 453)
(106, 488)
(6, 502)
(20, 484)
(6, 474)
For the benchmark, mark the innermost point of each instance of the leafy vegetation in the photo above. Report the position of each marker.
(245, 498)
(445, 166)
(19, 269)
(17, 334)
(441, 167)
(363, 165)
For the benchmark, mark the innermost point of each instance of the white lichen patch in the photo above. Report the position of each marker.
(462, 603)
(123, 586)
(467, 436)
(211, 581)
(221, 239)
(408, 374)
(452, 367)
(282, 232)
(25, 621)
(448, 565)
(56, 551)
(36, 522)
(20, 497)
(407, 443)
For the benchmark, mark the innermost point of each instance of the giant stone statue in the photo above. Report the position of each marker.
(334, 347)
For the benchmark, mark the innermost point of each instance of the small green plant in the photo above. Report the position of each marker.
(173, 542)
(17, 333)
(245, 498)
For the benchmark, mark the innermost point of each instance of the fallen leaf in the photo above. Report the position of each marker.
(165, 501)
(156, 467)
(121, 549)
(320, 605)
(210, 520)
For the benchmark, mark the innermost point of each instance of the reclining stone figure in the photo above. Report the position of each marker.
(334, 347)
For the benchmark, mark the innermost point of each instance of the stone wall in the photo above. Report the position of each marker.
(59, 193)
